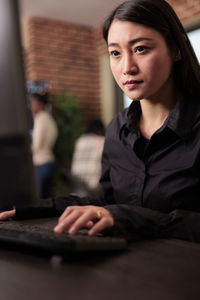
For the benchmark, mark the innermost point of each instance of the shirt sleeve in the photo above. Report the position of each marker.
(53, 206)
(134, 223)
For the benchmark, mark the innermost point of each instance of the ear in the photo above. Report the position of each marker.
(177, 56)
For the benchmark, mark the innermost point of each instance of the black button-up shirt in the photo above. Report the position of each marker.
(153, 188)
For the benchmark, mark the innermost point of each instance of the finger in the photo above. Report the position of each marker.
(89, 224)
(102, 224)
(67, 222)
(7, 214)
(67, 211)
(82, 222)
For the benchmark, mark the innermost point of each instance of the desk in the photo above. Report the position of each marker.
(153, 270)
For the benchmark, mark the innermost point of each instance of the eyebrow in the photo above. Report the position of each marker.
(131, 42)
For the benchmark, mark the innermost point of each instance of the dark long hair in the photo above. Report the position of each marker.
(159, 15)
(43, 98)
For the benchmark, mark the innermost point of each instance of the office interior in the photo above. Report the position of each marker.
(63, 48)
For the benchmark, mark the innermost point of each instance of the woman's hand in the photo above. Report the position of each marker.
(7, 214)
(75, 218)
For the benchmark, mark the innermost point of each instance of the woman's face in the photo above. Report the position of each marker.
(140, 60)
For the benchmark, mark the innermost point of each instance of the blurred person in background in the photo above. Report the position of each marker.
(44, 136)
(86, 161)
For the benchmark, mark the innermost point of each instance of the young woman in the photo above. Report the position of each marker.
(151, 158)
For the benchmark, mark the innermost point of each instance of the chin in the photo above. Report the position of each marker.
(133, 95)
(135, 99)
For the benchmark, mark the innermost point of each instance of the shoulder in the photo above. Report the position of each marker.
(47, 118)
(42, 115)
(114, 127)
(88, 138)
(190, 113)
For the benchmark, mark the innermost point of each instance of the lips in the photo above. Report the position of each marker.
(133, 81)
(131, 84)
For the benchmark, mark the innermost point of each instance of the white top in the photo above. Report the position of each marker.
(44, 137)
(86, 162)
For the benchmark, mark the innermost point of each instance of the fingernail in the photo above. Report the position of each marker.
(71, 230)
(57, 227)
(91, 232)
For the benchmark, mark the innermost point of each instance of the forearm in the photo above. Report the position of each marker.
(135, 223)
(54, 206)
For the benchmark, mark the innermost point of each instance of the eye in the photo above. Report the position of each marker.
(114, 53)
(140, 49)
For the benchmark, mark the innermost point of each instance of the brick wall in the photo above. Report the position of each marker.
(186, 9)
(67, 56)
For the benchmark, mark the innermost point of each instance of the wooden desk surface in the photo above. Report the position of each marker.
(157, 270)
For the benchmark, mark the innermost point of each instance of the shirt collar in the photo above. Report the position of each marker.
(180, 120)
(183, 116)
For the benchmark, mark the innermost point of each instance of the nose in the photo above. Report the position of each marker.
(129, 64)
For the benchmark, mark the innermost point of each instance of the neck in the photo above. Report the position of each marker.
(155, 111)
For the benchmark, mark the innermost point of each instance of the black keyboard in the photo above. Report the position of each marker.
(44, 239)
